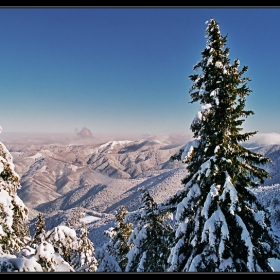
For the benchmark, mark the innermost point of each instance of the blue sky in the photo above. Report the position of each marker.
(125, 70)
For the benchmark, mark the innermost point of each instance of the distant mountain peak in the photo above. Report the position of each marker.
(85, 133)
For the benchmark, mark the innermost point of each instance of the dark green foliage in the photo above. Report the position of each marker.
(118, 245)
(40, 229)
(82, 258)
(220, 224)
(14, 231)
(151, 238)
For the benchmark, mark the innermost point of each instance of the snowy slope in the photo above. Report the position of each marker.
(94, 179)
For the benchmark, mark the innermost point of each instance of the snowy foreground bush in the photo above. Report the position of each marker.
(215, 223)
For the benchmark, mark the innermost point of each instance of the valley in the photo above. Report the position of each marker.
(64, 176)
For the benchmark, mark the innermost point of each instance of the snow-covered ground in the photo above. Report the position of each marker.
(88, 219)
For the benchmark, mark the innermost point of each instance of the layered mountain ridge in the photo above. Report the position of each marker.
(95, 178)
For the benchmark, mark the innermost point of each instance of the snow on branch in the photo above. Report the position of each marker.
(246, 237)
(210, 227)
(213, 192)
(229, 188)
(184, 204)
(186, 151)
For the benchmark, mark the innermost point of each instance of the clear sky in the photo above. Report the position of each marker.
(125, 70)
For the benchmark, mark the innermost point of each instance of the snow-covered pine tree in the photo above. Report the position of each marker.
(220, 224)
(14, 231)
(83, 259)
(64, 240)
(118, 246)
(106, 262)
(46, 256)
(40, 229)
(150, 239)
(76, 214)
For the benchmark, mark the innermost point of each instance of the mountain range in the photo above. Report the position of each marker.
(68, 178)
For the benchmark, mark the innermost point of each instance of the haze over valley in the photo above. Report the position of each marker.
(95, 175)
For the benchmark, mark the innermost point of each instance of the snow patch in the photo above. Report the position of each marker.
(89, 218)
(38, 155)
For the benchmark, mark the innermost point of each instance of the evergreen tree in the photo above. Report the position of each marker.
(83, 259)
(64, 240)
(220, 224)
(46, 256)
(14, 231)
(150, 239)
(118, 245)
(40, 230)
(106, 262)
(76, 215)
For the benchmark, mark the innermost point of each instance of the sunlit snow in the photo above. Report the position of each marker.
(88, 219)
(38, 155)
